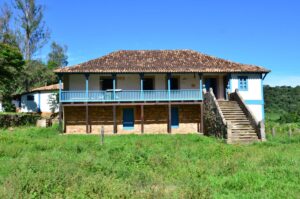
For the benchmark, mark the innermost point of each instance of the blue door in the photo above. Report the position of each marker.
(174, 117)
(128, 118)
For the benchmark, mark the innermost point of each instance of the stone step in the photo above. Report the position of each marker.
(238, 116)
(247, 141)
(233, 113)
(239, 121)
(244, 135)
(237, 132)
(241, 128)
(229, 106)
(232, 110)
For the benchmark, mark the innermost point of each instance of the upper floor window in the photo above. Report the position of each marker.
(243, 83)
(30, 97)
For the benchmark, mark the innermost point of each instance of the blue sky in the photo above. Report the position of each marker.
(260, 32)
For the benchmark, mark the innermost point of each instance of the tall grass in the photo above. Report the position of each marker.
(38, 163)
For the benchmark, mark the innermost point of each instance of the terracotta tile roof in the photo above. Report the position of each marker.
(46, 88)
(147, 61)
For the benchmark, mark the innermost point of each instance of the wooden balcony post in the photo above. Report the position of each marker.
(114, 86)
(60, 104)
(200, 85)
(142, 85)
(169, 85)
(87, 86)
(142, 119)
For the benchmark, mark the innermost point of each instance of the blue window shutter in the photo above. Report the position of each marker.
(243, 83)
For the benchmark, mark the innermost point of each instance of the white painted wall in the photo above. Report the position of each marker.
(45, 99)
(256, 109)
(254, 86)
(189, 81)
(254, 94)
(77, 82)
(128, 82)
(160, 81)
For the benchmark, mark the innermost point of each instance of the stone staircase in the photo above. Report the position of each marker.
(242, 130)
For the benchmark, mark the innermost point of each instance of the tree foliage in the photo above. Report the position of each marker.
(7, 35)
(57, 57)
(11, 65)
(283, 103)
(33, 34)
(36, 74)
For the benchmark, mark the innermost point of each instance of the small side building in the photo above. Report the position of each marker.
(42, 100)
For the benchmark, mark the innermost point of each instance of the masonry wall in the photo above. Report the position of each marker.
(155, 119)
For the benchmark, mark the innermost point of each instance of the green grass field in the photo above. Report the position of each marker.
(40, 163)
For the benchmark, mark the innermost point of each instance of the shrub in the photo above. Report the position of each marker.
(17, 119)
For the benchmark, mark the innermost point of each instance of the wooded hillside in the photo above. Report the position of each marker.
(282, 103)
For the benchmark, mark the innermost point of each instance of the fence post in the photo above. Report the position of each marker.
(262, 131)
(273, 132)
(102, 135)
(290, 132)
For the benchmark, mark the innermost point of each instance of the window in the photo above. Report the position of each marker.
(243, 83)
(148, 84)
(107, 84)
(30, 97)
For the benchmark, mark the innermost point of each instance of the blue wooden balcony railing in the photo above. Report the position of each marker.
(130, 95)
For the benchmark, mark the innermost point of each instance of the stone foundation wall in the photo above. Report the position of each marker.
(155, 119)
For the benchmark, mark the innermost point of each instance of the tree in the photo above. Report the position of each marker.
(33, 34)
(6, 34)
(36, 74)
(11, 64)
(57, 57)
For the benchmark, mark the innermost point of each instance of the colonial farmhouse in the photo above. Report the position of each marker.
(163, 91)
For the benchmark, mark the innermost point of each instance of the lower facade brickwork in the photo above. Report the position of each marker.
(155, 119)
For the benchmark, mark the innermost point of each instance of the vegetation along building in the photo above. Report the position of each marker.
(160, 91)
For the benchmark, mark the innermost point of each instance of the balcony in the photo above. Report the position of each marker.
(130, 95)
